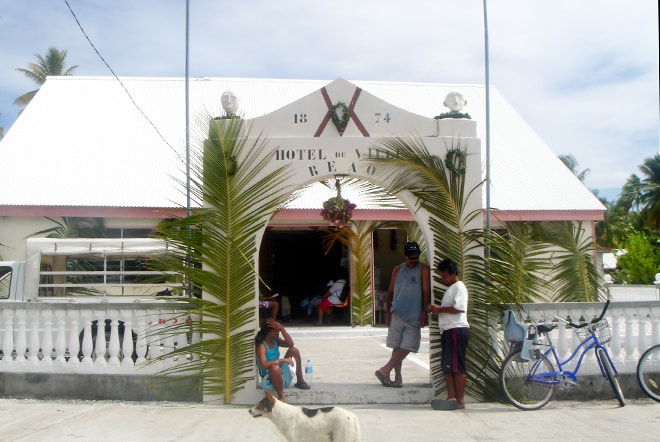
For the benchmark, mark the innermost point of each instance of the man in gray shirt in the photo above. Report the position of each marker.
(405, 312)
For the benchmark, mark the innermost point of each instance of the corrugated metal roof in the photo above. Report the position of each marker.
(313, 196)
(82, 142)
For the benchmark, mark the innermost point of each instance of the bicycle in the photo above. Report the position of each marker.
(648, 372)
(530, 375)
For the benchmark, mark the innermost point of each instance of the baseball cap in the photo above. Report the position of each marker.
(411, 249)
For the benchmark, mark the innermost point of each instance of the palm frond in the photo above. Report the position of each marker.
(575, 277)
(214, 249)
(409, 166)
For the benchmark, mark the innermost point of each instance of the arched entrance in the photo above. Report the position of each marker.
(320, 137)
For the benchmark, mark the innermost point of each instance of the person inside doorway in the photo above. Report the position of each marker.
(332, 296)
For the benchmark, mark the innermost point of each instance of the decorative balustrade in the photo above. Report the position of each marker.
(110, 338)
(635, 326)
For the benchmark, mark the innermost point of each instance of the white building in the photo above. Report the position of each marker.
(98, 147)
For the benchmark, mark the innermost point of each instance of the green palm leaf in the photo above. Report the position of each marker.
(575, 277)
(214, 248)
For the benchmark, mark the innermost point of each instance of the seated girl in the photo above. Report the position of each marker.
(277, 374)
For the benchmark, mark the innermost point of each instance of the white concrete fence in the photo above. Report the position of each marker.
(89, 338)
(61, 338)
(634, 326)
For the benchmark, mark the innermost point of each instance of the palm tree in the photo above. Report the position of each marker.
(631, 193)
(651, 190)
(214, 249)
(572, 163)
(50, 65)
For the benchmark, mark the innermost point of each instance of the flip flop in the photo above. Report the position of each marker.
(302, 385)
(381, 378)
(396, 384)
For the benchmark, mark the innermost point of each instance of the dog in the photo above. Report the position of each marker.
(298, 424)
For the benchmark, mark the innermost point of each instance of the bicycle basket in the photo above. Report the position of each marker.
(601, 329)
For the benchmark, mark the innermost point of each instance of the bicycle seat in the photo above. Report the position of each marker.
(545, 328)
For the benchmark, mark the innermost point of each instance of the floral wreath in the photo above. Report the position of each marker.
(453, 114)
(456, 160)
(340, 123)
(338, 210)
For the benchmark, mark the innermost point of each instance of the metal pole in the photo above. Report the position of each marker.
(487, 60)
(189, 285)
(187, 93)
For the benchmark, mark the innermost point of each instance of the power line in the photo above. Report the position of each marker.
(118, 79)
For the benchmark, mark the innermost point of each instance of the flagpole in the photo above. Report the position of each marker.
(189, 284)
(487, 63)
(187, 94)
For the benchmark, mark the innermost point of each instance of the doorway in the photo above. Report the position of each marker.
(292, 263)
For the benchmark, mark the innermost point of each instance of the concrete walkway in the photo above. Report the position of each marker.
(344, 361)
(34, 421)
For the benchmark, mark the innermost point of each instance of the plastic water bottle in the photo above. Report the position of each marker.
(309, 372)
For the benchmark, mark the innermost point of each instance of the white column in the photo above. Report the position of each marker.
(141, 345)
(99, 342)
(47, 337)
(34, 343)
(87, 342)
(127, 342)
(630, 335)
(74, 338)
(8, 338)
(60, 337)
(113, 345)
(21, 335)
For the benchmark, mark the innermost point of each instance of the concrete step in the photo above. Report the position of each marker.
(360, 394)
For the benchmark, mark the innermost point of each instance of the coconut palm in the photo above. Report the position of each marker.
(651, 190)
(572, 163)
(631, 193)
(53, 63)
(214, 248)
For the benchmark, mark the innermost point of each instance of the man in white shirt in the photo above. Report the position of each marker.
(452, 320)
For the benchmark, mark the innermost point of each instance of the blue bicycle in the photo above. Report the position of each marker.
(532, 371)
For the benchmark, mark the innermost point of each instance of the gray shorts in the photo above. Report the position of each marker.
(403, 335)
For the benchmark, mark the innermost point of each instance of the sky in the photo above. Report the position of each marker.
(583, 74)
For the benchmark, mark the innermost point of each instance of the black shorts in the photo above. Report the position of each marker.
(454, 345)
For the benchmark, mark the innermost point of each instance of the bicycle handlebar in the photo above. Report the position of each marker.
(593, 321)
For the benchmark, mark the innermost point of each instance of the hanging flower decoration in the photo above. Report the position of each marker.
(456, 160)
(338, 210)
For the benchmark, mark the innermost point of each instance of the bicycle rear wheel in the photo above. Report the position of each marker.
(609, 372)
(521, 382)
(648, 372)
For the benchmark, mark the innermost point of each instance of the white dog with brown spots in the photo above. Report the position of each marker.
(309, 424)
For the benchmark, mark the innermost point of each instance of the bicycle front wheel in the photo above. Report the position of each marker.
(527, 384)
(648, 372)
(609, 372)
